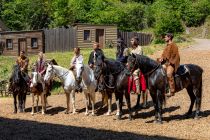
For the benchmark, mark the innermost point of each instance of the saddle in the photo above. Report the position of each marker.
(182, 70)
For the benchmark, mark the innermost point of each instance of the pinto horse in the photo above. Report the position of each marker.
(37, 87)
(18, 87)
(105, 67)
(190, 78)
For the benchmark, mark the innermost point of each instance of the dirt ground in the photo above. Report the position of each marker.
(57, 125)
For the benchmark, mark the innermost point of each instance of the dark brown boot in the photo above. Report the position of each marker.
(172, 87)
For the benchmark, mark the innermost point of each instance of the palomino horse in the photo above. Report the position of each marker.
(37, 87)
(106, 67)
(85, 75)
(67, 78)
(18, 87)
(190, 78)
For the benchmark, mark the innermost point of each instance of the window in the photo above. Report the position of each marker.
(86, 35)
(9, 43)
(34, 43)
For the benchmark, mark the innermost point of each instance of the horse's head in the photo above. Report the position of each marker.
(79, 67)
(131, 62)
(35, 78)
(49, 73)
(99, 65)
(16, 74)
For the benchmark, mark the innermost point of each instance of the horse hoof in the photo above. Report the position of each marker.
(66, 112)
(197, 117)
(144, 106)
(108, 114)
(14, 112)
(32, 113)
(137, 107)
(93, 114)
(43, 113)
(86, 113)
(74, 112)
(158, 122)
(130, 118)
(119, 117)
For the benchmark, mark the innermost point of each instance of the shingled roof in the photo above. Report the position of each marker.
(3, 27)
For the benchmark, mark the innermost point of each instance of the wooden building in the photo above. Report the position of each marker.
(15, 41)
(86, 34)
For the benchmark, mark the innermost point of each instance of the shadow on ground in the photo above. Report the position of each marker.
(22, 129)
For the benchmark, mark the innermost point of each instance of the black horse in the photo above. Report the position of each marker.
(188, 76)
(103, 69)
(18, 87)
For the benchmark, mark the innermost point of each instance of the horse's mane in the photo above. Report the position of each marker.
(113, 66)
(60, 67)
(145, 63)
(17, 81)
(15, 73)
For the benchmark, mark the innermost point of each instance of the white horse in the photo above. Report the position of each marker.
(36, 82)
(67, 78)
(85, 75)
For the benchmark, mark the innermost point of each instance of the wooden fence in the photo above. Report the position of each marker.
(144, 39)
(60, 39)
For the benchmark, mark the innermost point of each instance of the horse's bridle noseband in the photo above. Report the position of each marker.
(60, 76)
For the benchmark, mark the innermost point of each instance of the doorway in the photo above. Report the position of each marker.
(22, 45)
(100, 37)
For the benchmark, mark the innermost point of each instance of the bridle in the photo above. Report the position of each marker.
(59, 76)
(106, 75)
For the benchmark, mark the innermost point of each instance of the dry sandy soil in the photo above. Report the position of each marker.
(57, 125)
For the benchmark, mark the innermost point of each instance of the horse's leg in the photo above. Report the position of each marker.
(20, 102)
(145, 98)
(109, 103)
(32, 108)
(192, 99)
(37, 103)
(119, 105)
(138, 102)
(127, 97)
(67, 102)
(86, 103)
(24, 101)
(15, 102)
(198, 95)
(154, 99)
(159, 105)
(73, 101)
(43, 102)
(92, 96)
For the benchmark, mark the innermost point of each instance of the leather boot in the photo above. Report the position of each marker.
(172, 86)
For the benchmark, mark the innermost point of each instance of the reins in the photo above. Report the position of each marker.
(150, 72)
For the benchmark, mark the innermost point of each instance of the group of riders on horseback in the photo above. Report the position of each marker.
(169, 59)
(130, 72)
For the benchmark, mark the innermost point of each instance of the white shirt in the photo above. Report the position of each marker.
(77, 59)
